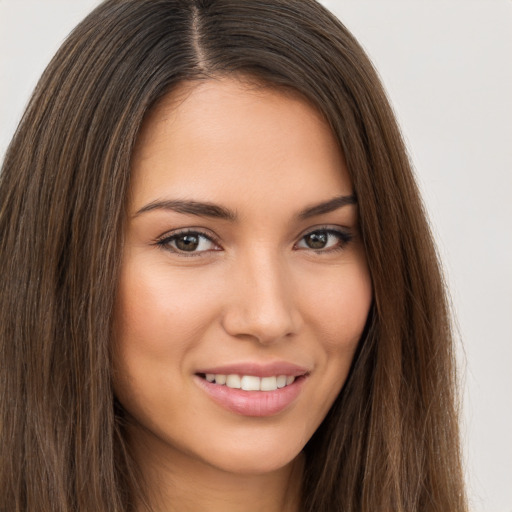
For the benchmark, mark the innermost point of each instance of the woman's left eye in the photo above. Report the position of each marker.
(324, 240)
(188, 242)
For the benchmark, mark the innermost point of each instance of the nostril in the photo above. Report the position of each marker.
(263, 327)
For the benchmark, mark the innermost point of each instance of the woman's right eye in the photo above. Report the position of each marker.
(188, 243)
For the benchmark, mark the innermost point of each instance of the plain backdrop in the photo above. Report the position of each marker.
(447, 66)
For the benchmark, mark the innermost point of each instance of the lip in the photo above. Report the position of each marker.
(257, 369)
(254, 403)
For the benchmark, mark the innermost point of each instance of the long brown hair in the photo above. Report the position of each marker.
(390, 441)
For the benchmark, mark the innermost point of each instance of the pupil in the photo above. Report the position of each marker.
(316, 240)
(187, 242)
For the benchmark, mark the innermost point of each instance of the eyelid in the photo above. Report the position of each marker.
(346, 235)
(164, 239)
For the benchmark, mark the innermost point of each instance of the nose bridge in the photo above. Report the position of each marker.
(262, 304)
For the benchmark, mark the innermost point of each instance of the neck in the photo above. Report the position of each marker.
(176, 482)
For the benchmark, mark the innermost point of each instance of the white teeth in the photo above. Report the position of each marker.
(251, 382)
(233, 381)
(268, 384)
(220, 379)
(281, 381)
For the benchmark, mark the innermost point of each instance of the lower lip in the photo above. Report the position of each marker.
(252, 403)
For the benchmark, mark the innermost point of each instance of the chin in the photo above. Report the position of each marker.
(250, 464)
(266, 454)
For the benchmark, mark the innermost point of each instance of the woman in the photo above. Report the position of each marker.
(220, 288)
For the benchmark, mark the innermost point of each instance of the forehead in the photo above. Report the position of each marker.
(226, 138)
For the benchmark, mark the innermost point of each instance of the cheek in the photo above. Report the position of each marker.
(159, 311)
(158, 322)
(339, 308)
(338, 314)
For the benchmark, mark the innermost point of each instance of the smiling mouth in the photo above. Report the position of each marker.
(250, 382)
(263, 394)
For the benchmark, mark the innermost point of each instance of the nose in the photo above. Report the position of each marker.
(262, 303)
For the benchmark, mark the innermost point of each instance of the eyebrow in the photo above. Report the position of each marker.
(327, 206)
(206, 209)
(191, 208)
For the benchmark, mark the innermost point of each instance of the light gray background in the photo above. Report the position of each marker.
(447, 66)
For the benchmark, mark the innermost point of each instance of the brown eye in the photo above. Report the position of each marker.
(317, 240)
(187, 243)
(190, 242)
(324, 240)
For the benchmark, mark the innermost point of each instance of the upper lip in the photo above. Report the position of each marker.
(257, 369)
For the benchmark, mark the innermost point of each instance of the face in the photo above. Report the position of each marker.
(244, 288)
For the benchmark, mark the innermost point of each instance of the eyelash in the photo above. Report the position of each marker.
(165, 241)
(344, 238)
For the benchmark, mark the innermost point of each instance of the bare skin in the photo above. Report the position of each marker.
(179, 485)
(242, 260)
